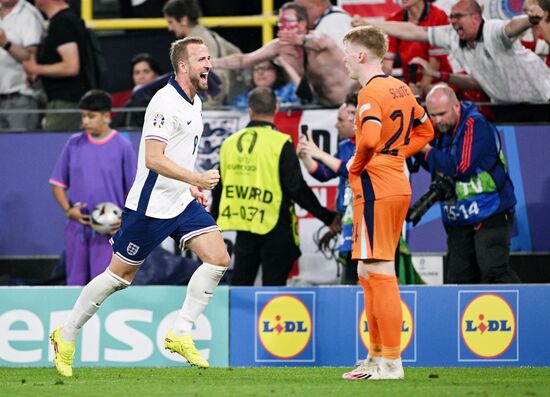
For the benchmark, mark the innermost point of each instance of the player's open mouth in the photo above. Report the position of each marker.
(204, 77)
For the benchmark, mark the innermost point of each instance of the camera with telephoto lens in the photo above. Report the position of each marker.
(441, 189)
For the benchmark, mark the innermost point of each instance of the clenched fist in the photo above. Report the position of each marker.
(209, 179)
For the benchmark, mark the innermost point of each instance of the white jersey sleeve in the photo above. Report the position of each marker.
(173, 118)
(159, 121)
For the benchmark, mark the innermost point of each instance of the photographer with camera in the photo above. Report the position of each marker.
(474, 189)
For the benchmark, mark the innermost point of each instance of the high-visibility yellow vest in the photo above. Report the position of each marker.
(249, 166)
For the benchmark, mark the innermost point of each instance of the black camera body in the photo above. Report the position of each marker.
(442, 188)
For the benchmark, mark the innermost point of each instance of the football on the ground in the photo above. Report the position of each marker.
(104, 216)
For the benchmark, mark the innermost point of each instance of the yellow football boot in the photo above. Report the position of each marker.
(63, 353)
(184, 346)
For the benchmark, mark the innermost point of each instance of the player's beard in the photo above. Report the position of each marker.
(198, 83)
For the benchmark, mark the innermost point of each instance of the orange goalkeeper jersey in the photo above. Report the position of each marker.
(390, 126)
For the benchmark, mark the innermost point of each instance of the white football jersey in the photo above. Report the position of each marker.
(172, 118)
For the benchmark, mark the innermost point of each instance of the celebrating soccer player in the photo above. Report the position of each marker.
(163, 201)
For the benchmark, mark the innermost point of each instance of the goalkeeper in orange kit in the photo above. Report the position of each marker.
(390, 126)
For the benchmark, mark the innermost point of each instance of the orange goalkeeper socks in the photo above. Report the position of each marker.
(375, 348)
(386, 307)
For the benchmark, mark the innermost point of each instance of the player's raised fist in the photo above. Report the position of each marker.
(209, 179)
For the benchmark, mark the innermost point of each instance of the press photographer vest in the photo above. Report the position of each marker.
(249, 165)
(478, 198)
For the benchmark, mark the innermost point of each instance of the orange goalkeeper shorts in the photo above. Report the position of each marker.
(377, 226)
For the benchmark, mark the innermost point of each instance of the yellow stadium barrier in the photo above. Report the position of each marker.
(266, 21)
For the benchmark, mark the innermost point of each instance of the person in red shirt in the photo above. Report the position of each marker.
(432, 63)
(390, 126)
(422, 13)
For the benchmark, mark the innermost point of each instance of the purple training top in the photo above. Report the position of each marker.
(94, 171)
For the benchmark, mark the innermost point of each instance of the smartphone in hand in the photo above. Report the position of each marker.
(303, 131)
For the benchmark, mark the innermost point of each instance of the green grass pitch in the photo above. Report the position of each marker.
(296, 382)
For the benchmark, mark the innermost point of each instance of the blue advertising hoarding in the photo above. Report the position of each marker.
(442, 326)
(408, 334)
(322, 326)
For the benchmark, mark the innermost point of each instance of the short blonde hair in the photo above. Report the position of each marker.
(178, 50)
(370, 37)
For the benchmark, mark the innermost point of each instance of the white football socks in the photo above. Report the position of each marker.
(199, 293)
(91, 297)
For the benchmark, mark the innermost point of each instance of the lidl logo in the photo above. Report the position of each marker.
(408, 307)
(406, 328)
(488, 326)
(285, 327)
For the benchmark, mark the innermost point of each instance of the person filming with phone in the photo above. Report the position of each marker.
(261, 180)
(323, 167)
